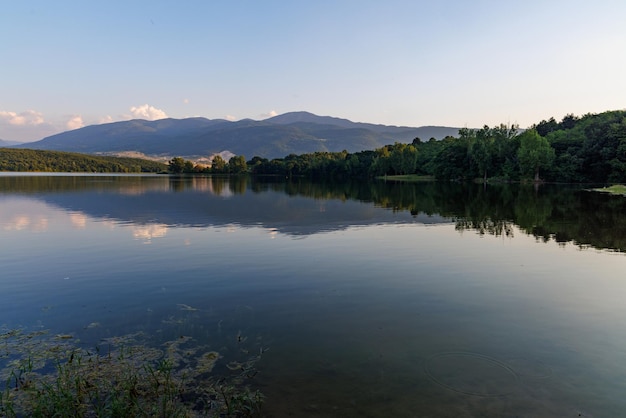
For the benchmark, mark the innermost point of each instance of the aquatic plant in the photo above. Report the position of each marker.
(45, 376)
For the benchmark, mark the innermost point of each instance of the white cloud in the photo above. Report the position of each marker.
(230, 118)
(147, 112)
(105, 119)
(269, 114)
(28, 117)
(25, 126)
(75, 122)
(186, 101)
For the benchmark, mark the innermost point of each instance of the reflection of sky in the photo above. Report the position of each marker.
(18, 214)
(583, 284)
(429, 287)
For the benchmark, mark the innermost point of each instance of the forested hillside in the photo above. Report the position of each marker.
(193, 138)
(55, 161)
(591, 148)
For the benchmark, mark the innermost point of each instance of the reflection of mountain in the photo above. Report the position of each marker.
(559, 213)
(206, 202)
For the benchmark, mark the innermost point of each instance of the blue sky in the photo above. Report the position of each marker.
(67, 64)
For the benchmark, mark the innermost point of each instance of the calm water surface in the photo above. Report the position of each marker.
(371, 302)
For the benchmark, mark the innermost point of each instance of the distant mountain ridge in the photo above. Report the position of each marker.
(5, 143)
(279, 136)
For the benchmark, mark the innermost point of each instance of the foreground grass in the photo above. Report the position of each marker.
(50, 376)
(616, 189)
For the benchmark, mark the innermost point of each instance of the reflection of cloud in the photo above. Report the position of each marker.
(21, 222)
(40, 225)
(109, 223)
(147, 232)
(17, 223)
(78, 220)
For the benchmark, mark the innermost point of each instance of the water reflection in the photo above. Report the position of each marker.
(399, 301)
(560, 213)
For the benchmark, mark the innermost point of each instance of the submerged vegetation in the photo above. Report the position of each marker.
(71, 162)
(51, 375)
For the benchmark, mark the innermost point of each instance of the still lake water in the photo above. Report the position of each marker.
(371, 300)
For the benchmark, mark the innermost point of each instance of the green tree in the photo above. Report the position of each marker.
(482, 151)
(237, 164)
(534, 154)
(409, 159)
(218, 164)
(176, 165)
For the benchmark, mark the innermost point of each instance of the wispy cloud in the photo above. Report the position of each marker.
(147, 112)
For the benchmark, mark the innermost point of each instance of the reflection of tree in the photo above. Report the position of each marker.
(560, 213)
(485, 226)
(532, 209)
(238, 184)
(53, 183)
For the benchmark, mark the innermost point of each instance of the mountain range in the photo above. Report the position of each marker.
(279, 136)
(5, 143)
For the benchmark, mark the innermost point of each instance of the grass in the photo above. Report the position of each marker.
(616, 189)
(50, 376)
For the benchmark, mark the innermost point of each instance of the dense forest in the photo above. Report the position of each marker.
(591, 148)
(57, 161)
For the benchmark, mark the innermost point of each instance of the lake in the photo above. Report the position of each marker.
(362, 299)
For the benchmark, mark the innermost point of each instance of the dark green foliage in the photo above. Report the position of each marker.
(591, 148)
(218, 165)
(56, 161)
(534, 153)
(176, 165)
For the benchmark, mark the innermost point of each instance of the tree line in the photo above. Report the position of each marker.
(57, 161)
(235, 165)
(591, 148)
